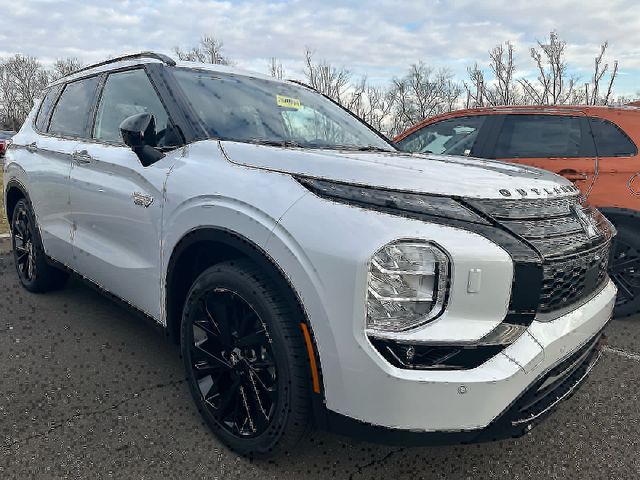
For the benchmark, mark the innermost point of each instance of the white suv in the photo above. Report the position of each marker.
(312, 274)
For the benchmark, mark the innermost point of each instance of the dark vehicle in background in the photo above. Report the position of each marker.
(594, 147)
(5, 140)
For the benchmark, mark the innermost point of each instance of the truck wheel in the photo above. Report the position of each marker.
(35, 273)
(245, 360)
(624, 267)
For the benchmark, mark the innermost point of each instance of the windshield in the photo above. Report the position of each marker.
(246, 109)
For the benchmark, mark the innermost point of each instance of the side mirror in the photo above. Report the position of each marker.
(139, 133)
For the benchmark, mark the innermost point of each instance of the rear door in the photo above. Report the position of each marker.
(618, 164)
(559, 143)
(59, 123)
(453, 136)
(116, 202)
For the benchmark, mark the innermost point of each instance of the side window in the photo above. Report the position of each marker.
(45, 108)
(610, 140)
(126, 94)
(449, 137)
(71, 114)
(539, 136)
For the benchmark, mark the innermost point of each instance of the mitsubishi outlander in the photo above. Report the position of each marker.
(312, 273)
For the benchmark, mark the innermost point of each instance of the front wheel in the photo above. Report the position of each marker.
(245, 360)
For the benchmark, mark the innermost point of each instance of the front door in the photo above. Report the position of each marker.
(116, 202)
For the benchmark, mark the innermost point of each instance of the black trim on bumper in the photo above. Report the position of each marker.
(529, 409)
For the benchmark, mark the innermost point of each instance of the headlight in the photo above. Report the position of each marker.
(407, 285)
(411, 204)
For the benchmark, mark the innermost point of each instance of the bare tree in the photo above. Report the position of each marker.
(327, 79)
(422, 93)
(476, 88)
(380, 102)
(592, 91)
(64, 67)
(553, 85)
(209, 50)
(276, 69)
(22, 79)
(502, 90)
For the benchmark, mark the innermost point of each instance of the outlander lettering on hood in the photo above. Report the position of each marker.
(538, 192)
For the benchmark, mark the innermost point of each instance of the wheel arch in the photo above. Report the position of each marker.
(203, 247)
(620, 214)
(14, 192)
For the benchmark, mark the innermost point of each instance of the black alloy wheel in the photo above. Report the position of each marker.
(233, 363)
(624, 270)
(23, 245)
(245, 360)
(34, 271)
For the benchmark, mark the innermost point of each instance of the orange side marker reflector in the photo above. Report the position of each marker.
(312, 358)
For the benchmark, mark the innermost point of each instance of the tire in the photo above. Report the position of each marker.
(34, 272)
(248, 372)
(624, 266)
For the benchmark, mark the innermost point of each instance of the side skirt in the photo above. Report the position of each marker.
(146, 318)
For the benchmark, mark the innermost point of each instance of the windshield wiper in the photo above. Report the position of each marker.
(275, 143)
(373, 148)
(328, 146)
(361, 148)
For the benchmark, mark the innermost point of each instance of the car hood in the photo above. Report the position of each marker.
(434, 174)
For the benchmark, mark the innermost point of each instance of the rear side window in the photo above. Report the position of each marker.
(71, 114)
(539, 136)
(456, 136)
(126, 94)
(45, 108)
(610, 140)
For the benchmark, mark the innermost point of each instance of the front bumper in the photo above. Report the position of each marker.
(504, 397)
(525, 412)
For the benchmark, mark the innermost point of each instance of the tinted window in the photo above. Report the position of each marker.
(126, 94)
(610, 140)
(539, 136)
(450, 137)
(45, 108)
(71, 114)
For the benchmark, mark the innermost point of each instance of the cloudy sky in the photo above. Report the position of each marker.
(379, 38)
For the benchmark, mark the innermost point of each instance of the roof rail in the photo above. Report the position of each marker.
(158, 56)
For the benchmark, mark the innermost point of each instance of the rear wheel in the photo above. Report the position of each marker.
(245, 360)
(624, 267)
(35, 273)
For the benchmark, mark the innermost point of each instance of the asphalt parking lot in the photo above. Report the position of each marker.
(88, 390)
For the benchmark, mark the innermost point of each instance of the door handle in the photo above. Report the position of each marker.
(573, 175)
(32, 147)
(82, 157)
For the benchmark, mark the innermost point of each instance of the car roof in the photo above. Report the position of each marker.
(151, 57)
(595, 110)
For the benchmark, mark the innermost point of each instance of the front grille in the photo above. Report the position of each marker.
(567, 281)
(574, 259)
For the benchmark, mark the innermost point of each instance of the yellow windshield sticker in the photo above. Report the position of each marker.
(288, 102)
